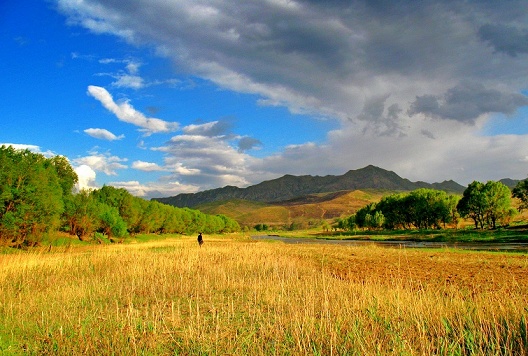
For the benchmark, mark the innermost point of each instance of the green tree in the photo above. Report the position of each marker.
(472, 204)
(486, 204)
(361, 215)
(67, 176)
(378, 220)
(82, 214)
(30, 196)
(521, 192)
(394, 212)
(498, 203)
(430, 208)
(111, 223)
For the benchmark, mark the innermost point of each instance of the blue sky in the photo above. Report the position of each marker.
(169, 97)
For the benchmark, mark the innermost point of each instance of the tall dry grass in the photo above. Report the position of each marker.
(235, 297)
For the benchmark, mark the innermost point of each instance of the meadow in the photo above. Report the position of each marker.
(237, 296)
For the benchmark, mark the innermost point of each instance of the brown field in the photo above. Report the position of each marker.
(235, 296)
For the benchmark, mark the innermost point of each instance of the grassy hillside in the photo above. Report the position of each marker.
(301, 211)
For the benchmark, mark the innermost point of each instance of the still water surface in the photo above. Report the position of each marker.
(514, 246)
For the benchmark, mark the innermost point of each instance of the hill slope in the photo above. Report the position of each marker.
(302, 212)
(290, 187)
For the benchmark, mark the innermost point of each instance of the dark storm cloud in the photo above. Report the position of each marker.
(466, 102)
(504, 38)
(248, 143)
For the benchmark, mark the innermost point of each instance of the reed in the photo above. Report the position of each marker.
(234, 296)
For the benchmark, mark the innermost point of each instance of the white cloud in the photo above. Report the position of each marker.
(126, 113)
(105, 163)
(146, 166)
(103, 134)
(22, 146)
(32, 148)
(154, 189)
(204, 160)
(86, 177)
(128, 81)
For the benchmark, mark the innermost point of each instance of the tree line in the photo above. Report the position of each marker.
(488, 205)
(37, 197)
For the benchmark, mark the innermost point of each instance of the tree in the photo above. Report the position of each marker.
(378, 220)
(82, 214)
(498, 203)
(111, 223)
(67, 176)
(486, 204)
(30, 196)
(472, 204)
(521, 192)
(363, 215)
(430, 208)
(394, 212)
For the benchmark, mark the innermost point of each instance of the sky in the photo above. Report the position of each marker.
(163, 97)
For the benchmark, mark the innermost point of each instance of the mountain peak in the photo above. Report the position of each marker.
(290, 187)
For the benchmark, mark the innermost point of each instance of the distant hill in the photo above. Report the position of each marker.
(289, 188)
(300, 211)
(510, 183)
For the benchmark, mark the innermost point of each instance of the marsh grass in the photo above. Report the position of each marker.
(234, 296)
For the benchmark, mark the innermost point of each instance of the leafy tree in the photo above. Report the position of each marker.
(486, 203)
(393, 209)
(82, 214)
(230, 225)
(261, 227)
(452, 202)
(378, 220)
(67, 176)
(472, 204)
(521, 192)
(498, 203)
(111, 223)
(30, 196)
(361, 218)
(430, 208)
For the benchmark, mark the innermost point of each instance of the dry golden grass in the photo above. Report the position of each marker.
(234, 296)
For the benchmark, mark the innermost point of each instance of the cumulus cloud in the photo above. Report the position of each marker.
(154, 189)
(146, 166)
(205, 160)
(126, 113)
(86, 177)
(102, 162)
(103, 134)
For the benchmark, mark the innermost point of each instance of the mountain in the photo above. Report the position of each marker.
(510, 183)
(291, 187)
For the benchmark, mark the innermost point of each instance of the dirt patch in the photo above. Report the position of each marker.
(474, 272)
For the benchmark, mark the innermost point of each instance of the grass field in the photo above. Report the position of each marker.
(234, 296)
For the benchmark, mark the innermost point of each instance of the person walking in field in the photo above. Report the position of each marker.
(200, 239)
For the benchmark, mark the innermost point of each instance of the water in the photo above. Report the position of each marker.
(513, 246)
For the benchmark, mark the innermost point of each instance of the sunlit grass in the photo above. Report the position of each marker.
(235, 296)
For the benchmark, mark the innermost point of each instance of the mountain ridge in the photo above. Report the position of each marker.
(289, 187)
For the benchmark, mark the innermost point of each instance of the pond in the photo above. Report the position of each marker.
(483, 246)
